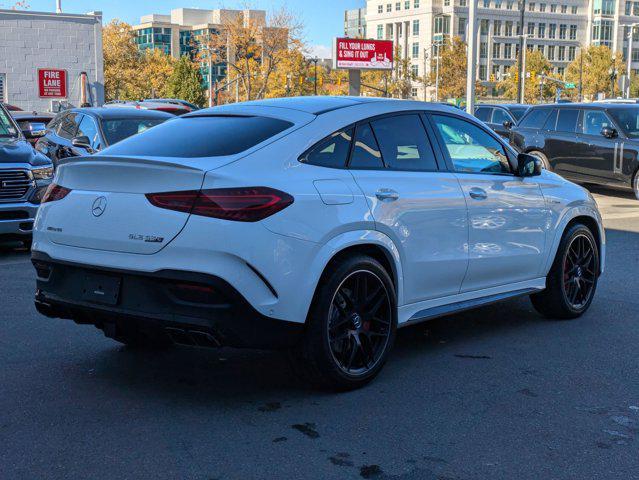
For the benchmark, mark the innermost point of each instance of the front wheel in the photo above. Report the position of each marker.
(351, 326)
(572, 280)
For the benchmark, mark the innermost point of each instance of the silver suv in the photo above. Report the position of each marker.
(24, 176)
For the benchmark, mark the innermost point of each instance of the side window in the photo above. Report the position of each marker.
(483, 113)
(567, 120)
(332, 151)
(551, 121)
(404, 144)
(500, 116)
(535, 118)
(67, 127)
(471, 149)
(594, 121)
(366, 152)
(89, 129)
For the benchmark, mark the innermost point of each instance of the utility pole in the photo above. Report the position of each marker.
(437, 73)
(522, 53)
(629, 59)
(471, 64)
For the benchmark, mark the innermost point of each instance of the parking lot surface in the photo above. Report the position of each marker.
(494, 393)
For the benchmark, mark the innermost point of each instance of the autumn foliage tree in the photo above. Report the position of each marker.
(536, 65)
(593, 70)
(452, 69)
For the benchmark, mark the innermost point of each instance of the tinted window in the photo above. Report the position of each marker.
(332, 151)
(7, 129)
(471, 149)
(567, 120)
(191, 137)
(89, 129)
(404, 144)
(500, 116)
(366, 152)
(518, 112)
(535, 118)
(628, 120)
(483, 113)
(551, 121)
(594, 121)
(116, 130)
(67, 126)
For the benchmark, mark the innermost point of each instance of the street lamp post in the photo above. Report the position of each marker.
(522, 52)
(315, 60)
(613, 72)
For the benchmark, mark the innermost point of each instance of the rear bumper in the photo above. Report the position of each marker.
(187, 306)
(16, 219)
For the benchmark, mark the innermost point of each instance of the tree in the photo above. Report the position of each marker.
(121, 62)
(186, 82)
(452, 69)
(594, 71)
(536, 64)
(157, 68)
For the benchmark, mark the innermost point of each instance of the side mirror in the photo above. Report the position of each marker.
(81, 142)
(528, 165)
(508, 124)
(609, 132)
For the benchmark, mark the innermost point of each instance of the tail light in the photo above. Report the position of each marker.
(54, 193)
(249, 204)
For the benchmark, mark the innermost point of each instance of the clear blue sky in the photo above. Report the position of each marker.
(323, 18)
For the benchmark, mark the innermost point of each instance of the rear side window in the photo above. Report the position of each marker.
(404, 144)
(551, 121)
(331, 152)
(535, 118)
(366, 153)
(567, 120)
(190, 137)
(483, 113)
(67, 127)
(594, 122)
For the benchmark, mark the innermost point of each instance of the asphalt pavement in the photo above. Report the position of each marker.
(494, 393)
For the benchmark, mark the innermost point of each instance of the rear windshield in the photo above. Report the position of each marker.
(190, 137)
(116, 130)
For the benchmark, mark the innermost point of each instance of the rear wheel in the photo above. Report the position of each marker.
(635, 184)
(572, 280)
(351, 326)
(542, 157)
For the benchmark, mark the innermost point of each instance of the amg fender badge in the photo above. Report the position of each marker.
(145, 238)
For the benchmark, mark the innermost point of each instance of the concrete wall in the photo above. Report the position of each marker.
(32, 40)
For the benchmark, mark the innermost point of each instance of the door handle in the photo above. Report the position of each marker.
(478, 193)
(387, 195)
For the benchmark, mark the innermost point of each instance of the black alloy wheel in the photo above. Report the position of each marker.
(580, 272)
(359, 326)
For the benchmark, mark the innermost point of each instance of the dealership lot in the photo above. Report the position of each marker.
(492, 393)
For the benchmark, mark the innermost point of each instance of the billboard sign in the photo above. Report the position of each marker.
(52, 83)
(363, 54)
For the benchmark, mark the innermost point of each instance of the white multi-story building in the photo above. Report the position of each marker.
(556, 27)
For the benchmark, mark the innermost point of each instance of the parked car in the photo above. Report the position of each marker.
(24, 176)
(82, 131)
(174, 101)
(595, 143)
(172, 108)
(33, 125)
(502, 117)
(317, 224)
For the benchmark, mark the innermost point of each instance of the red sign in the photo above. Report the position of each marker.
(355, 53)
(52, 83)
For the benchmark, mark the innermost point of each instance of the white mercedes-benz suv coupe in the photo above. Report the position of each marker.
(319, 225)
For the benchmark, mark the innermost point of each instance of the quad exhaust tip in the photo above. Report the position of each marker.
(193, 338)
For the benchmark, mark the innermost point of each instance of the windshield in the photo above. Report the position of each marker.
(117, 129)
(7, 128)
(627, 119)
(518, 112)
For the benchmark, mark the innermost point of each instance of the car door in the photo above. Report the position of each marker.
(561, 141)
(596, 153)
(421, 208)
(507, 215)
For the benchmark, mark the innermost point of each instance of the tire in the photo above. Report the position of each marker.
(542, 157)
(135, 338)
(570, 288)
(345, 344)
(635, 184)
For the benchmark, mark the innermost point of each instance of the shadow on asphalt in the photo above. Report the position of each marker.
(611, 192)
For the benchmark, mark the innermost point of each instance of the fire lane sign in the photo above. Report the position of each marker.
(363, 54)
(52, 83)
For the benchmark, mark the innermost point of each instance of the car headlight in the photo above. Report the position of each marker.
(42, 173)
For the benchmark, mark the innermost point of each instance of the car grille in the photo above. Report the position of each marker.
(14, 184)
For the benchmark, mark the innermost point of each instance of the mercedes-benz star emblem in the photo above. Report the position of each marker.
(99, 206)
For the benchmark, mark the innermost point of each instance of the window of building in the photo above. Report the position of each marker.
(496, 50)
(486, 3)
(541, 31)
(574, 9)
(483, 73)
(404, 144)
(416, 4)
(446, 3)
(561, 53)
(531, 28)
(497, 3)
(398, 6)
(508, 50)
(483, 26)
(380, 32)
(531, 7)
(562, 31)
(564, 8)
(406, 4)
(461, 26)
(509, 5)
(553, 8)
(415, 27)
(552, 31)
(572, 51)
(389, 7)
(414, 70)
(551, 52)
(604, 7)
(462, 3)
(561, 71)
(542, 7)
(483, 50)
(497, 27)
(509, 29)
(380, 8)
(416, 50)
(573, 32)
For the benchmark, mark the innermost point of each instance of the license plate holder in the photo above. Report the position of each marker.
(102, 289)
